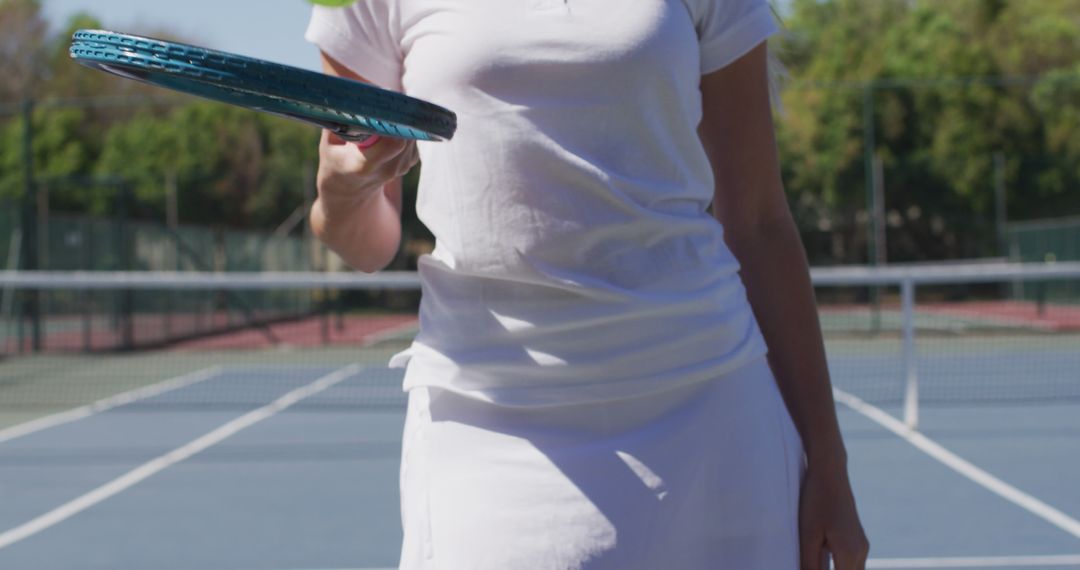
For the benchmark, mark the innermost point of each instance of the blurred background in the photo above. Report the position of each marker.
(910, 131)
(931, 154)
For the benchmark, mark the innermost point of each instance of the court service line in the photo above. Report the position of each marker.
(59, 418)
(961, 465)
(976, 562)
(142, 472)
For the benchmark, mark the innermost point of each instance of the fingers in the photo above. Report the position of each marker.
(347, 171)
(405, 161)
(328, 137)
(812, 553)
(368, 142)
(353, 157)
(846, 553)
(850, 554)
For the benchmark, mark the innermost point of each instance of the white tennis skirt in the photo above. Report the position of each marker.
(705, 476)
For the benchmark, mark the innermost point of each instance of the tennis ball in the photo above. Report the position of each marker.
(332, 2)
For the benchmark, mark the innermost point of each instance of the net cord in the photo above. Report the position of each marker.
(822, 276)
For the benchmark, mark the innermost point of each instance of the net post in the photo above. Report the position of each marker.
(911, 377)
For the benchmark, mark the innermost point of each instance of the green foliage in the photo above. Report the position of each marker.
(921, 64)
(58, 151)
(928, 70)
(231, 166)
(11, 160)
(68, 79)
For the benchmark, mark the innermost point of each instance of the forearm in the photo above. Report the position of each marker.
(365, 233)
(777, 278)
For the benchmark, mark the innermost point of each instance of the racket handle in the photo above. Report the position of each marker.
(368, 142)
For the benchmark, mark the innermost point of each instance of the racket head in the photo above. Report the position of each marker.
(350, 109)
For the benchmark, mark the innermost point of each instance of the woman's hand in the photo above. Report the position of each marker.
(828, 522)
(358, 210)
(350, 174)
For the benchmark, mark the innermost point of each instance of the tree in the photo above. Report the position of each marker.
(937, 76)
(232, 166)
(22, 49)
(58, 150)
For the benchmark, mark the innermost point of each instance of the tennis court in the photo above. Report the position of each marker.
(230, 451)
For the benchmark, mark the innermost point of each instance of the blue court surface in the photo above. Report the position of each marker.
(178, 474)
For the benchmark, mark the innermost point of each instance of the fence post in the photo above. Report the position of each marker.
(877, 217)
(911, 375)
(1000, 205)
(125, 249)
(88, 261)
(7, 299)
(31, 303)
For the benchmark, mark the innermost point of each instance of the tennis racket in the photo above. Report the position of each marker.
(350, 109)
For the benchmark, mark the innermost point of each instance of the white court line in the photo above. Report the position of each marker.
(158, 388)
(976, 562)
(140, 473)
(99, 406)
(962, 466)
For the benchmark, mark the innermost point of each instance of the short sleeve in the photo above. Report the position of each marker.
(362, 37)
(728, 29)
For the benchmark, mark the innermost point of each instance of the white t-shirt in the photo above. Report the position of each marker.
(574, 259)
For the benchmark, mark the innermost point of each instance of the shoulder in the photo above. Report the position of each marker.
(728, 29)
(362, 36)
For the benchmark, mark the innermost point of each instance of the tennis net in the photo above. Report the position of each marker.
(895, 336)
(953, 334)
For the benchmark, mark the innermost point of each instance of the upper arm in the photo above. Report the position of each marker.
(334, 67)
(738, 135)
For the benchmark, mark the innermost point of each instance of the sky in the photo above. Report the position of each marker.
(268, 29)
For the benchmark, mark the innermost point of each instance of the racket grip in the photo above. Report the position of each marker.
(368, 142)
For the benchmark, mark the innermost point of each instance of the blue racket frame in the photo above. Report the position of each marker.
(350, 109)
